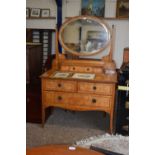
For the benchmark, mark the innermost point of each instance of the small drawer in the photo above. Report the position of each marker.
(98, 88)
(64, 68)
(97, 70)
(60, 85)
(81, 69)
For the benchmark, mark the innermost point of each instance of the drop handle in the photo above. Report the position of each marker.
(59, 98)
(59, 85)
(93, 100)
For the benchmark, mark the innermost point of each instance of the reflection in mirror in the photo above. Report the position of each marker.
(84, 36)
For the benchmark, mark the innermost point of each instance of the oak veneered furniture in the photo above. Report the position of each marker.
(82, 84)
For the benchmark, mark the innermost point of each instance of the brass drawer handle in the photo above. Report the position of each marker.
(94, 87)
(59, 98)
(73, 68)
(88, 69)
(93, 100)
(59, 85)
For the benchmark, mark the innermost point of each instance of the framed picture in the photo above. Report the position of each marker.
(83, 76)
(95, 40)
(122, 9)
(61, 75)
(45, 13)
(93, 7)
(27, 12)
(35, 12)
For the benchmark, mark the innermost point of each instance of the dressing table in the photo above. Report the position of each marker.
(79, 83)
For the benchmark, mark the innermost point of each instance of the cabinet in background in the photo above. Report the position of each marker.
(33, 63)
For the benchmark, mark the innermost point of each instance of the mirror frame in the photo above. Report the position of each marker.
(98, 20)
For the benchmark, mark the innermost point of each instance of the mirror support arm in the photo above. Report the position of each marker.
(112, 43)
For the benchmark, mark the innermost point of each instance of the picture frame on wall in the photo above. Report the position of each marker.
(93, 7)
(45, 13)
(122, 10)
(35, 13)
(27, 12)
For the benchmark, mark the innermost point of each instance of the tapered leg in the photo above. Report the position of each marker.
(111, 123)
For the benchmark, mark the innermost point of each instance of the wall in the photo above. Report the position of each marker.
(73, 8)
(42, 23)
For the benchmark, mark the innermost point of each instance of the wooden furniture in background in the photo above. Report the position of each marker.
(60, 150)
(33, 62)
(33, 82)
(81, 94)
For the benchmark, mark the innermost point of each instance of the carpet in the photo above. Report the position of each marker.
(109, 144)
(66, 127)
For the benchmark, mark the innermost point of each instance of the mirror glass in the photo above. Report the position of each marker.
(84, 35)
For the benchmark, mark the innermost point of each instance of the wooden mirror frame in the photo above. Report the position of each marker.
(93, 18)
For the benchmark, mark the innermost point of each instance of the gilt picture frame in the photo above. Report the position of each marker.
(122, 10)
(93, 7)
(45, 13)
(27, 12)
(35, 12)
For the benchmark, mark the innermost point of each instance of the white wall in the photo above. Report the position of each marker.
(42, 23)
(73, 8)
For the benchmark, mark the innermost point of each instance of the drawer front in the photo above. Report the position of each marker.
(77, 99)
(97, 70)
(64, 68)
(82, 69)
(98, 88)
(60, 85)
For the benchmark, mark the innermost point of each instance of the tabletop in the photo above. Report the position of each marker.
(60, 150)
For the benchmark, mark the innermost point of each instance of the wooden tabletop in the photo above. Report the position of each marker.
(60, 150)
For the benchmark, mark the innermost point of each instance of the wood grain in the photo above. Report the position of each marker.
(60, 150)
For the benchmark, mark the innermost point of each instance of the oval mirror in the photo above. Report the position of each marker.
(84, 35)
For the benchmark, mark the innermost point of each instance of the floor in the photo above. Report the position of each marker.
(66, 127)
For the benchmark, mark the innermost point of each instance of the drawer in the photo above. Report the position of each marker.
(82, 69)
(97, 70)
(77, 99)
(98, 88)
(94, 100)
(64, 68)
(60, 85)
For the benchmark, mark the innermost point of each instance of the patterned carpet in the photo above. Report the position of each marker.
(106, 143)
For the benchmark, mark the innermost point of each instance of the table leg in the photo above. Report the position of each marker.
(111, 123)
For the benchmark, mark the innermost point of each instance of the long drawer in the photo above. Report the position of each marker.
(98, 88)
(64, 99)
(60, 85)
